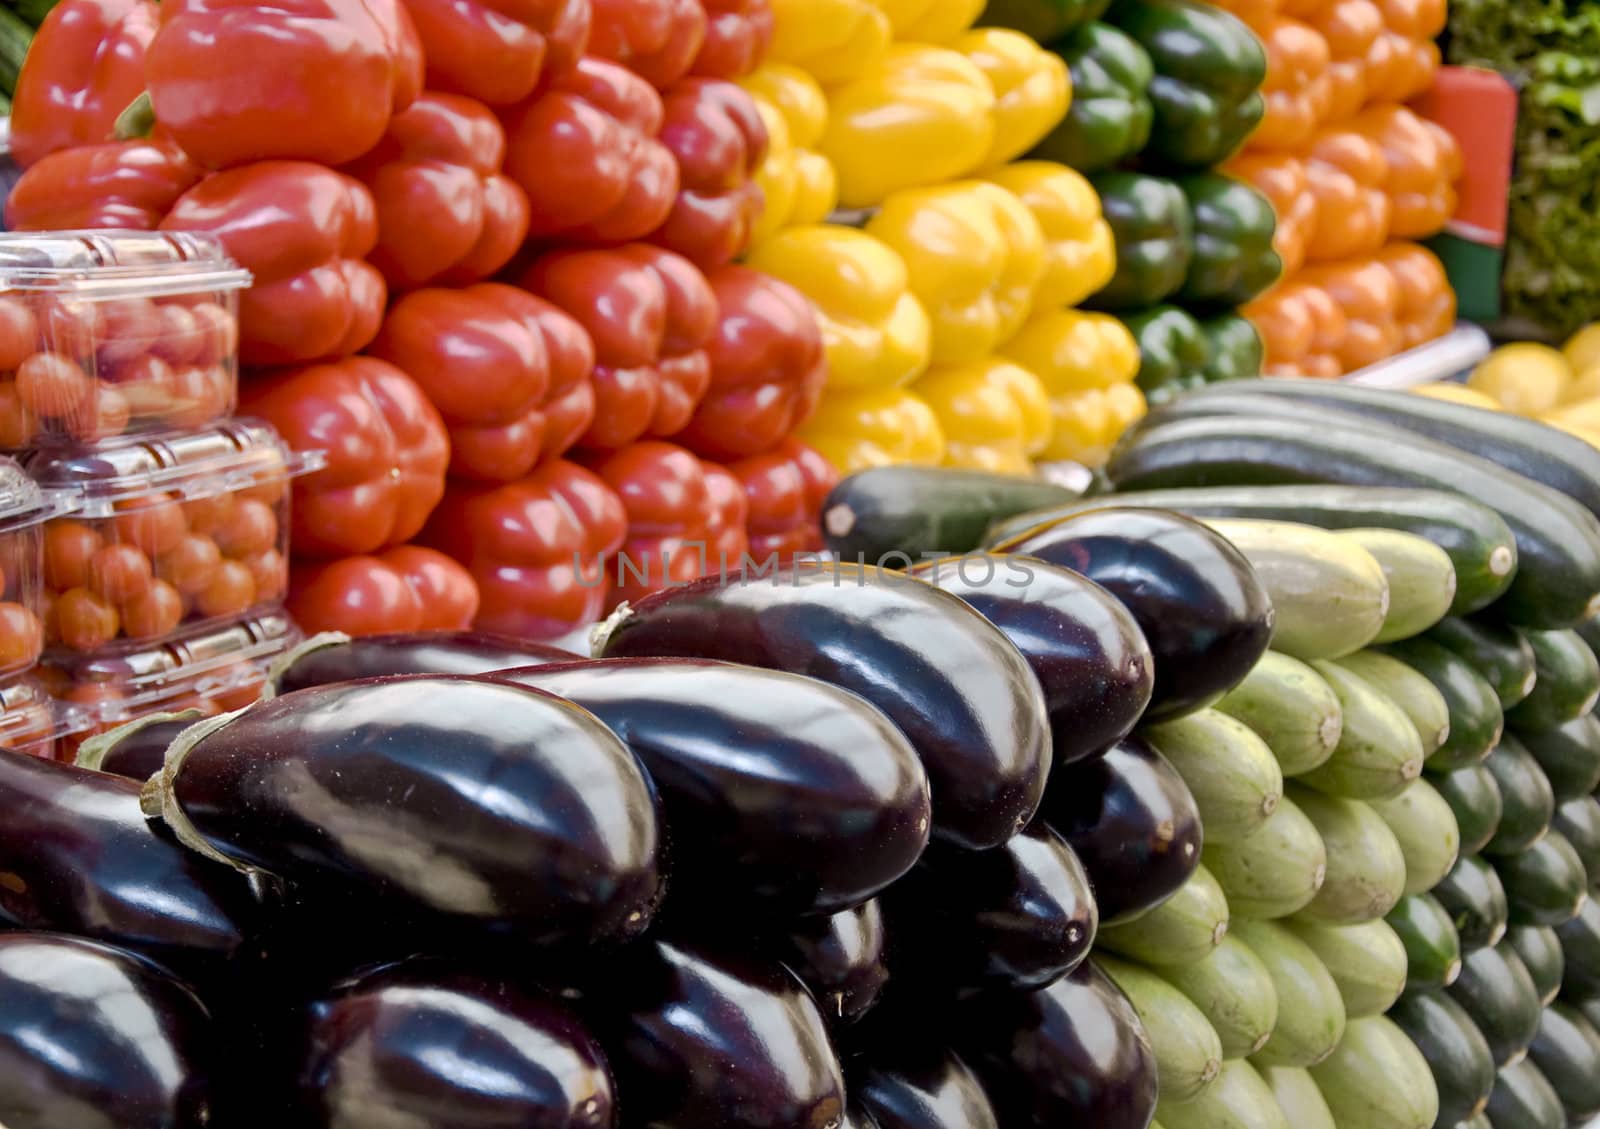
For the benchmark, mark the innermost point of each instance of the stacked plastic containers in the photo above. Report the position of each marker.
(143, 529)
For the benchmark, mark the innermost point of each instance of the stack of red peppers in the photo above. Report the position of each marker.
(494, 247)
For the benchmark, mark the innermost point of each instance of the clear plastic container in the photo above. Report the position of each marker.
(31, 722)
(24, 508)
(164, 534)
(106, 333)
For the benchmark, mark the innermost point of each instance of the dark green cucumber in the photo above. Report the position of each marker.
(1498, 993)
(1474, 795)
(1590, 630)
(1557, 582)
(1590, 1009)
(1566, 684)
(1545, 884)
(1476, 902)
(1476, 538)
(1526, 802)
(1579, 821)
(1540, 951)
(1476, 719)
(1457, 1054)
(1494, 650)
(1524, 1099)
(920, 510)
(1580, 945)
(1569, 755)
(1433, 949)
(1567, 1052)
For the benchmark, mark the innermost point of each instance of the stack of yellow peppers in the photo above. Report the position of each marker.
(945, 297)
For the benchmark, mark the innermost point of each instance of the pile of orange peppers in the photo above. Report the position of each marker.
(1356, 177)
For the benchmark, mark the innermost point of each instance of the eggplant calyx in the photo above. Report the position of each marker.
(93, 752)
(600, 634)
(158, 799)
(318, 642)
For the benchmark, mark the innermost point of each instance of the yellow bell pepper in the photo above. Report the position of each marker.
(1087, 363)
(1031, 86)
(923, 115)
(875, 427)
(832, 40)
(995, 415)
(797, 183)
(1080, 253)
(875, 332)
(975, 254)
(931, 21)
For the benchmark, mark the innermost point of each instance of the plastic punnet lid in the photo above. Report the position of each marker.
(30, 717)
(22, 503)
(111, 264)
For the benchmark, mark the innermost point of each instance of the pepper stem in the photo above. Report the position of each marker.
(137, 121)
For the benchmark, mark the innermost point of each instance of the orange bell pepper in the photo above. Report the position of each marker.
(1424, 163)
(1297, 89)
(1410, 26)
(1301, 327)
(1370, 298)
(1347, 172)
(1281, 178)
(1252, 12)
(1427, 302)
(1350, 28)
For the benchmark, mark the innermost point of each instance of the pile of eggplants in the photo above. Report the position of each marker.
(809, 850)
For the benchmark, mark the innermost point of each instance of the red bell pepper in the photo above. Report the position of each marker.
(655, 39)
(497, 51)
(445, 212)
(685, 518)
(407, 588)
(303, 231)
(507, 371)
(737, 37)
(85, 65)
(784, 489)
(586, 151)
(716, 133)
(768, 366)
(651, 315)
(534, 546)
(236, 81)
(385, 445)
(121, 184)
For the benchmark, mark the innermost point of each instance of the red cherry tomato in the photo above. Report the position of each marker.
(153, 613)
(68, 548)
(85, 621)
(190, 565)
(118, 573)
(154, 524)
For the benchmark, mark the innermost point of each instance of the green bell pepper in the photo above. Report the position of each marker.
(1237, 352)
(1173, 351)
(1111, 113)
(1153, 232)
(1208, 72)
(1045, 21)
(1233, 258)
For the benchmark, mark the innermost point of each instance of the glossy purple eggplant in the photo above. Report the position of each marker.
(699, 1040)
(841, 959)
(1015, 918)
(1133, 823)
(78, 856)
(1199, 604)
(484, 801)
(325, 659)
(1071, 1054)
(946, 676)
(138, 749)
(917, 1086)
(773, 787)
(1085, 648)
(93, 1037)
(856, 1117)
(426, 1046)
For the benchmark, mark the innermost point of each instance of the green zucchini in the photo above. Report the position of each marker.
(1494, 650)
(1290, 707)
(1590, 1009)
(1239, 1100)
(1496, 990)
(1379, 752)
(1329, 595)
(1479, 543)
(1567, 1052)
(1433, 949)
(1569, 755)
(1274, 872)
(1566, 682)
(1579, 821)
(1480, 1122)
(1298, 1097)
(1524, 1099)
(1187, 1051)
(1474, 797)
(1233, 776)
(1539, 949)
(877, 513)
(1422, 581)
(1367, 961)
(1545, 884)
(1458, 1056)
(1557, 582)
(1476, 719)
(1425, 828)
(1590, 630)
(1377, 1079)
(1181, 930)
(1526, 801)
(1311, 1018)
(1476, 902)
(1234, 991)
(1580, 948)
(1417, 698)
(1366, 870)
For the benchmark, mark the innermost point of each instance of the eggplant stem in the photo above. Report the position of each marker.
(600, 634)
(159, 797)
(92, 753)
(318, 642)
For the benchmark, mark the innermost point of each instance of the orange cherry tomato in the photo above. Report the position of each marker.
(108, 418)
(252, 528)
(68, 548)
(18, 424)
(53, 385)
(231, 591)
(21, 636)
(154, 524)
(271, 574)
(219, 333)
(243, 686)
(128, 328)
(118, 573)
(85, 621)
(206, 514)
(19, 333)
(181, 339)
(155, 612)
(190, 564)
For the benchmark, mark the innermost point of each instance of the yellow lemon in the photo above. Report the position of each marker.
(1458, 394)
(1526, 378)
(1584, 413)
(1585, 386)
(1582, 349)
